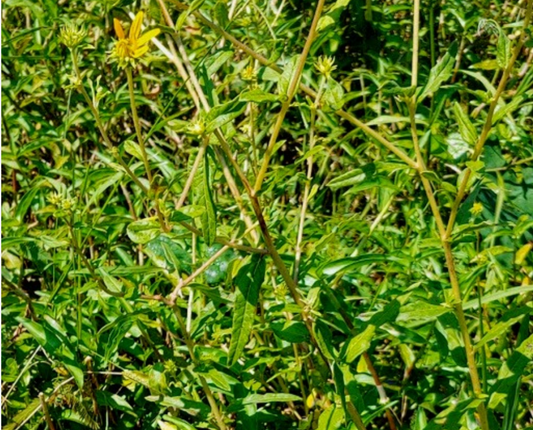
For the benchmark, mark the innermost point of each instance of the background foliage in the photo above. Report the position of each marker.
(129, 304)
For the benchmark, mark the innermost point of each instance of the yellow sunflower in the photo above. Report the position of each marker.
(128, 49)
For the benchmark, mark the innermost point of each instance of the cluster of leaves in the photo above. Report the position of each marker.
(136, 304)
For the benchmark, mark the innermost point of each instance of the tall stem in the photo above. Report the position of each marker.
(293, 86)
(100, 125)
(137, 124)
(488, 121)
(144, 155)
(416, 34)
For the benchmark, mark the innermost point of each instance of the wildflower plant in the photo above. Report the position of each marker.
(306, 215)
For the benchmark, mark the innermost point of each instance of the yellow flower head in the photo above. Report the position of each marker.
(476, 209)
(128, 49)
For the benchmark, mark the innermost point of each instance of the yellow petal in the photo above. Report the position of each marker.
(139, 52)
(118, 29)
(135, 28)
(145, 38)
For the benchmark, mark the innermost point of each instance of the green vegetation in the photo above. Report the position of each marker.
(267, 214)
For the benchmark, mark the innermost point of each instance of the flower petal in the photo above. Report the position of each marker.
(135, 28)
(139, 52)
(118, 28)
(145, 38)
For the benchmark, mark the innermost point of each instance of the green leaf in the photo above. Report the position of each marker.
(209, 218)
(113, 284)
(23, 415)
(133, 149)
(257, 95)
(286, 77)
(333, 95)
(222, 114)
(270, 398)
(503, 50)
(421, 311)
(43, 335)
(497, 330)
(144, 230)
(248, 284)
(466, 128)
(323, 338)
(359, 344)
(511, 371)
(291, 331)
(331, 419)
(440, 73)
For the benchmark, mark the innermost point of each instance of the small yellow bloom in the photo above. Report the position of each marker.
(476, 209)
(128, 49)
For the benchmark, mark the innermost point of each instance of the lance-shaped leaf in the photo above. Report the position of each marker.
(248, 283)
(359, 344)
(466, 128)
(440, 72)
(209, 216)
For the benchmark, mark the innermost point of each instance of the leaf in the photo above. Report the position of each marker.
(25, 203)
(359, 344)
(23, 415)
(270, 398)
(222, 114)
(248, 284)
(144, 230)
(209, 218)
(504, 110)
(43, 335)
(257, 95)
(114, 401)
(352, 263)
(113, 284)
(522, 253)
(503, 50)
(421, 311)
(333, 95)
(217, 61)
(286, 77)
(188, 406)
(457, 146)
(474, 304)
(466, 128)
(133, 149)
(331, 418)
(511, 371)
(440, 73)
(497, 330)
(323, 338)
(291, 331)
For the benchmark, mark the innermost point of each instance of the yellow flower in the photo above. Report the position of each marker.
(128, 49)
(476, 209)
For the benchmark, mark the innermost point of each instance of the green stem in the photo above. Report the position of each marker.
(137, 124)
(488, 122)
(208, 393)
(100, 125)
(144, 155)
(474, 376)
(293, 86)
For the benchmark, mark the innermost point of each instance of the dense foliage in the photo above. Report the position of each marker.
(267, 214)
